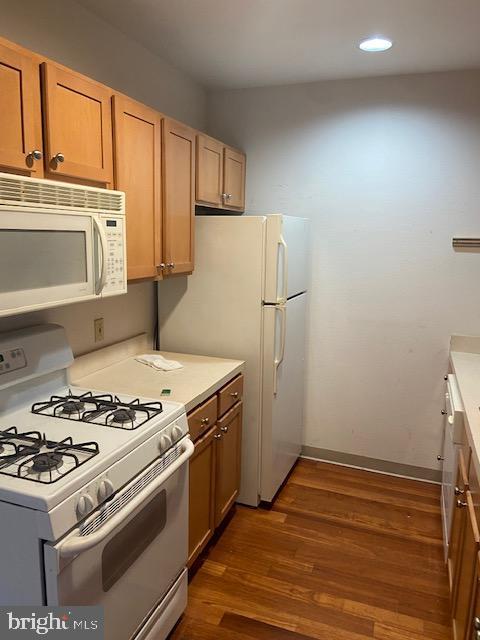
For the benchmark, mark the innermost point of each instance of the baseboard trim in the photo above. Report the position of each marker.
(372, 464)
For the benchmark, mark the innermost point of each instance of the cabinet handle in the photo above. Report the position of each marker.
(35, 154)
(161, 265)
(445, 378)
(217, 436)
(224, 429)
(234, 394)
(443, 412)
(224, 196)
(458, 491)
(59, 157)
(461, 504)
(440, 458)
(476, 623)
(170, 265)
(204, 421)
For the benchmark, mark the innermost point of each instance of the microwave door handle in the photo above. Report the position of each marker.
(78, 544)
(101, 277)
(279, 359)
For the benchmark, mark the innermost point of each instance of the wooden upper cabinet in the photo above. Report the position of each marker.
(178, 197)
(209, 174)
(77, 126)
(137, 150)
(234, 166)
(20, 113)
(228, 456)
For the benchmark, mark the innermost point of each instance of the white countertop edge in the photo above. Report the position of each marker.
(466, 367)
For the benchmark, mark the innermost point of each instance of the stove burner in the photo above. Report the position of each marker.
(47, 462)
(72, 406)
(123, 415)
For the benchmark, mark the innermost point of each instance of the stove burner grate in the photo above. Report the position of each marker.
(101, 409)
(30, 456)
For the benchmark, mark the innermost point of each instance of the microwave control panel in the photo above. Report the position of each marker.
(12, 360)
(116, 281)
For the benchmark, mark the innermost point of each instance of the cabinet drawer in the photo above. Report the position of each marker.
(202, 418)
(230, 394)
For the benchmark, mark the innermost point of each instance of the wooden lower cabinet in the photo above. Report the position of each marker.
(228, 450)
(214, 472)
(202, 495)
(466, 571)
(458, 526)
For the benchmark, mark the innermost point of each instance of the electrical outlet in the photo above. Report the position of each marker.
(98, 327)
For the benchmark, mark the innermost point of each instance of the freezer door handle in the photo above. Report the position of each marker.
(282, 246)
(282, 309)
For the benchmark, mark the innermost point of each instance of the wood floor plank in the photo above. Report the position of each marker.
(343, 554)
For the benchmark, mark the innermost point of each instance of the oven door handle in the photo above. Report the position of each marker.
(77, 544)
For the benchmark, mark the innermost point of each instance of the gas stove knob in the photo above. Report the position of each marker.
(105, 489)
(164, 443)
(84, 505)
(177, 432)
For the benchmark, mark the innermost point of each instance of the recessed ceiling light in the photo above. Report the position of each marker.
(375, 44)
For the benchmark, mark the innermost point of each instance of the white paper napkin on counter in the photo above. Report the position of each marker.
(159, 362)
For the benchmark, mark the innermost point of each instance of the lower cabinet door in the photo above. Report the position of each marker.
(202, 495)
(458, 526)
(228, 441)
(463, 603)
(475, 623)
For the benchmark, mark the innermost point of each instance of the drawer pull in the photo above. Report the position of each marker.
(458, 491)
(234, 394)
(224, 429)
(476, 623)
(204, 421)
(217, 436)
(461, 504)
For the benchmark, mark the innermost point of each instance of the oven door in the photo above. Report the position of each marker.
(48, 259)
(127, 554)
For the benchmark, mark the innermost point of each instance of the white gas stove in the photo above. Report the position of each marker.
(94, 488)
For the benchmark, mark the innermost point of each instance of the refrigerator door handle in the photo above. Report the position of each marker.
(282, 309)
(284, 247)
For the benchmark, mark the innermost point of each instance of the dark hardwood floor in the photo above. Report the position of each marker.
(342, 555)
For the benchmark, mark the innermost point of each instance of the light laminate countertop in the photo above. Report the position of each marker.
(200, 377)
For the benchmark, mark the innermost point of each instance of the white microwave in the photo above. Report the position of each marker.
(59, 243)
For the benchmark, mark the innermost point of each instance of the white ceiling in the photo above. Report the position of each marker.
(244, 43)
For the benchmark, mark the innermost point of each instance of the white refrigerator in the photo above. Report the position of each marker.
(247, 300)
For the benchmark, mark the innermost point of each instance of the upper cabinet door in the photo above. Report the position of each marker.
(78, 126)
(209, 185)
(234, 179)
(20, 119)
(137, 138)
(178, 197)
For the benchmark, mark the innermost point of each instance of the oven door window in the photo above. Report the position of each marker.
(128, 544)
(37, 259)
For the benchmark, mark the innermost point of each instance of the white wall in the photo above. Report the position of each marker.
(388, 170)
(69, 34)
